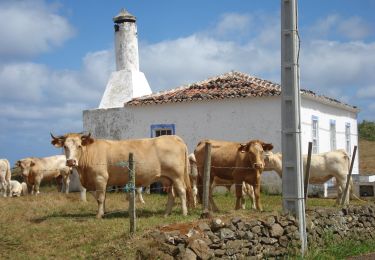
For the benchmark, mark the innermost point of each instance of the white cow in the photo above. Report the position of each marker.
(193, 173)
(323, 167)
(34, 170)
(5, 174)
(17, 189)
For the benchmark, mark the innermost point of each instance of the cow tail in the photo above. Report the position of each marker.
(189, 193)
(8, 173)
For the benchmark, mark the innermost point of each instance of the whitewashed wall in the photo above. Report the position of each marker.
(231, 119)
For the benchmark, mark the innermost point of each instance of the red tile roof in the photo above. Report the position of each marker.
(228, 85)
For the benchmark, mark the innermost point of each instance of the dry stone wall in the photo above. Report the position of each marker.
(273, 236)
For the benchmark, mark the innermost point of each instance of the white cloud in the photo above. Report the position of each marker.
(347, 66)
(331, 26)
(231, 23)
(173, 63)
(31, 27)
(354, 28)
(23, 81)
(366, 92)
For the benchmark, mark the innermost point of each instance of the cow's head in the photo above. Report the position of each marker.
(25, 165)
(73, 145)
(268, 158)
(255, 150)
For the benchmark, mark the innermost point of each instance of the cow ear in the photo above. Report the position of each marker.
(86, 139)
(243, 148)
(58, 142)
(267, 147)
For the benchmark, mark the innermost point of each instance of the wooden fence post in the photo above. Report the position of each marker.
(307, 171)
(345, 194)
(132, 215)
(206, 179)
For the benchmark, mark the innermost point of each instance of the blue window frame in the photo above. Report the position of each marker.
(162, 129)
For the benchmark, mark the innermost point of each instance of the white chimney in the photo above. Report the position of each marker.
(127, 82)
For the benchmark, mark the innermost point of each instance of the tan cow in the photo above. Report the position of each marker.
(5, 174)
(324, 166)
(233, 161)
(161, 159)
(35, 169)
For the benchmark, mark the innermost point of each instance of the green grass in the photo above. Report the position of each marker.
(59, 226)
(341, 250)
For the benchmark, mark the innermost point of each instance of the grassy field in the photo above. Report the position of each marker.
(59, 226)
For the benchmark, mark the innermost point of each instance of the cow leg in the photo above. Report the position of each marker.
(243, 200)
(139, 195)
(8, 188)
(30, 189)
(66, 183)
(256, 187)
(36, 185)
(100, 197)
(170, 203)
(82, 193)
(340, 190)
(2, 189)
(239, 197)
(181, 191)
(195, 194)
(250, 193)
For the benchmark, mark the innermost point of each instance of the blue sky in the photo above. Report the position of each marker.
(56, 56)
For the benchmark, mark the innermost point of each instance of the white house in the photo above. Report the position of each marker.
(233, 106)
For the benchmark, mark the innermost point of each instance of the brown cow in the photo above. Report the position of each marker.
(246, 188)
(157, 159)
(233, 161)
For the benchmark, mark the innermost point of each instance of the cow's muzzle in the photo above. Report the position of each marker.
(258, 166)
(71, 163)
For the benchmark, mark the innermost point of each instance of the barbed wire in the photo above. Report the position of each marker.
(125, 164)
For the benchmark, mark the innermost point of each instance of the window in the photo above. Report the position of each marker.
(315, 134)
(347, 138)
(162, 129)
(332, 131)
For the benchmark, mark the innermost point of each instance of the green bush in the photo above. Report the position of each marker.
(366, 130)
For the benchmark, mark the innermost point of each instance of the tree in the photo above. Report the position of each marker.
(366, 130)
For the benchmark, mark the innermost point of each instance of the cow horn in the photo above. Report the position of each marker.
(52, 136)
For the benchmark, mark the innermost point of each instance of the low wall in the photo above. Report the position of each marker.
(273, 236)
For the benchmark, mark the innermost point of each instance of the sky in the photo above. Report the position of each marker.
(56, 56)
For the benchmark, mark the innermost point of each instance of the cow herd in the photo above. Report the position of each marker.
(165, 159)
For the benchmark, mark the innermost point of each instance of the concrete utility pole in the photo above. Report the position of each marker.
(293, 199)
